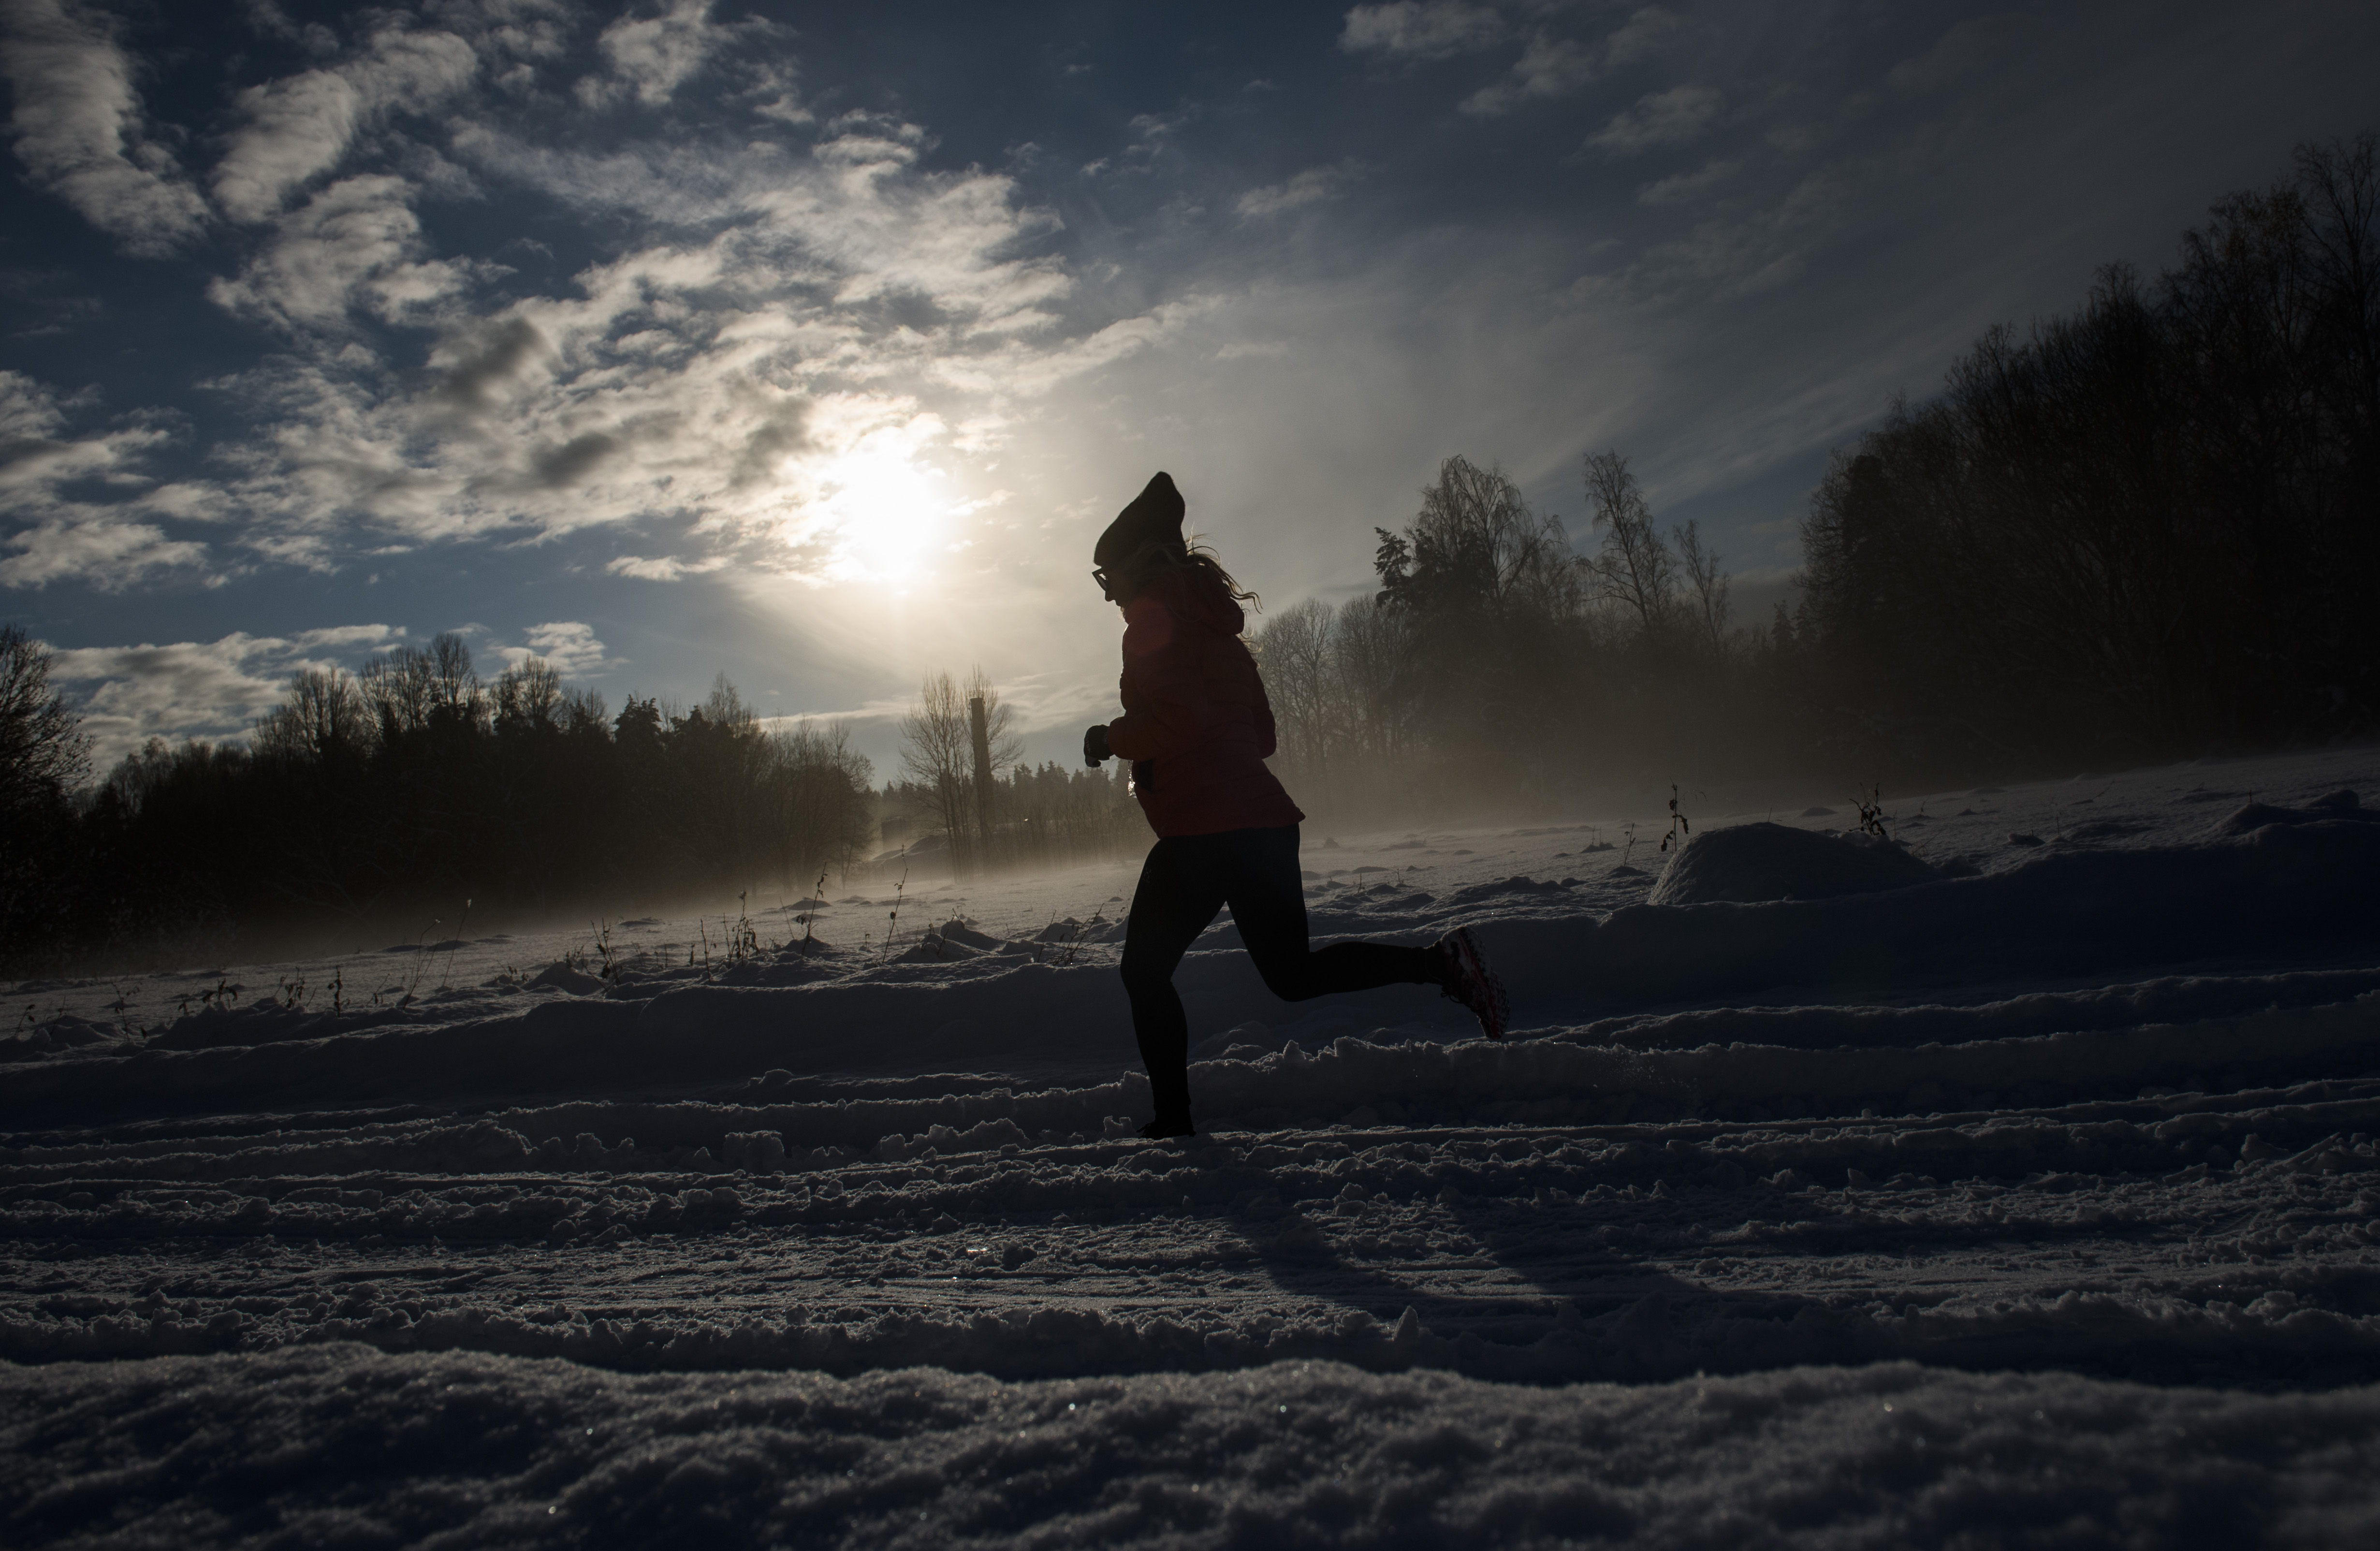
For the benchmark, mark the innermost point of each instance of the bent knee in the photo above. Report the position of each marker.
(1144, 974)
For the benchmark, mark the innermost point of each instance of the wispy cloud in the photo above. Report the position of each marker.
(662, 568)
(1548, 67)
(296, 127)
(1311, 186)
(355, 245)
(1421, 29)
(1678, 116)
(211, 689)
(56, 536)
(569, 647)
(652, 55)
(813, 300)
(1682, 188)
(79, 129)
(1553, 65)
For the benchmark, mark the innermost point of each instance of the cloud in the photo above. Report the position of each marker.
(1552, 66)
(1310, 187)
(1042, 371)
(105, 552)
(1678, 116)
(484, 363)
(29, 410)
(567, 466)
(651, 56)
(782, 307)
(1742, 252)
(569, 648)
(660, 569)
(300, 126)
(1644, 33)
(37, 455)
(356, 244)
(209, 689)
(1684, 188)
(54, 536)
(77, 127)
(1969, 47)
(1421, 29)
(1548, 67)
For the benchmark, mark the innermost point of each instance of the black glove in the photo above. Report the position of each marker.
(1095, 747)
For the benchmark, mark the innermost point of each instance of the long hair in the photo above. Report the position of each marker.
(1160, 555)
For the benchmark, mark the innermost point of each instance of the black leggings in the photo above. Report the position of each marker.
(1185, 881)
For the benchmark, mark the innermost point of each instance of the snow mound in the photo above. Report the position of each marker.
(2066, 912)
(1509, 889)
(58, 1036)
(2338, 807)
(564, 977)
(1754, 862)
(958, 931)
(935, 948)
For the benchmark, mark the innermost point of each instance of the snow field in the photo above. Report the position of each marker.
(2209, 1236)
(2064, 1149)
(370, 1449)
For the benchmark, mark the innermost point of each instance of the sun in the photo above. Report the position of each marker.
(889, 513)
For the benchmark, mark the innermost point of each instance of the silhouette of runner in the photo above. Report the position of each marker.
(1197, 728)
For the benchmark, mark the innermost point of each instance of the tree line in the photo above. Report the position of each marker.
(2149, 527)
(414, 792)
(1499, 665)
(2144, 531)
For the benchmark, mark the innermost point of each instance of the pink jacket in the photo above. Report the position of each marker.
(1194, 706)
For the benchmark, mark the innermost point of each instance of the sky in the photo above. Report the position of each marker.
(814, 344)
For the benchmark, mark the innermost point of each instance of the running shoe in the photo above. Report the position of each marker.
(1162, 1128)
(1472, 983)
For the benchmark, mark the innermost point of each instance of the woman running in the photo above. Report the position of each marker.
(1197, 728)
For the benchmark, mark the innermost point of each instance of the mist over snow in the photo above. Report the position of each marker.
(813, 347)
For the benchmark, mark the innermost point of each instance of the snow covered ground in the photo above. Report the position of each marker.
(2017, 1187)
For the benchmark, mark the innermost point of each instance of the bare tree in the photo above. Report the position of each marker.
(724, 706)
(1634, 569)
(1369, 645)
(818, 784)
(325, 717)
(531, 694)
(454, 688)
(43, 752)
(1706, 583)
(400, 691)
(938, 753)
(1294, 648)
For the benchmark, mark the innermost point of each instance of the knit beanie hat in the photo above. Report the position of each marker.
(1155, 515)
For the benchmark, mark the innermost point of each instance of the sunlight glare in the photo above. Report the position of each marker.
(889, 512)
